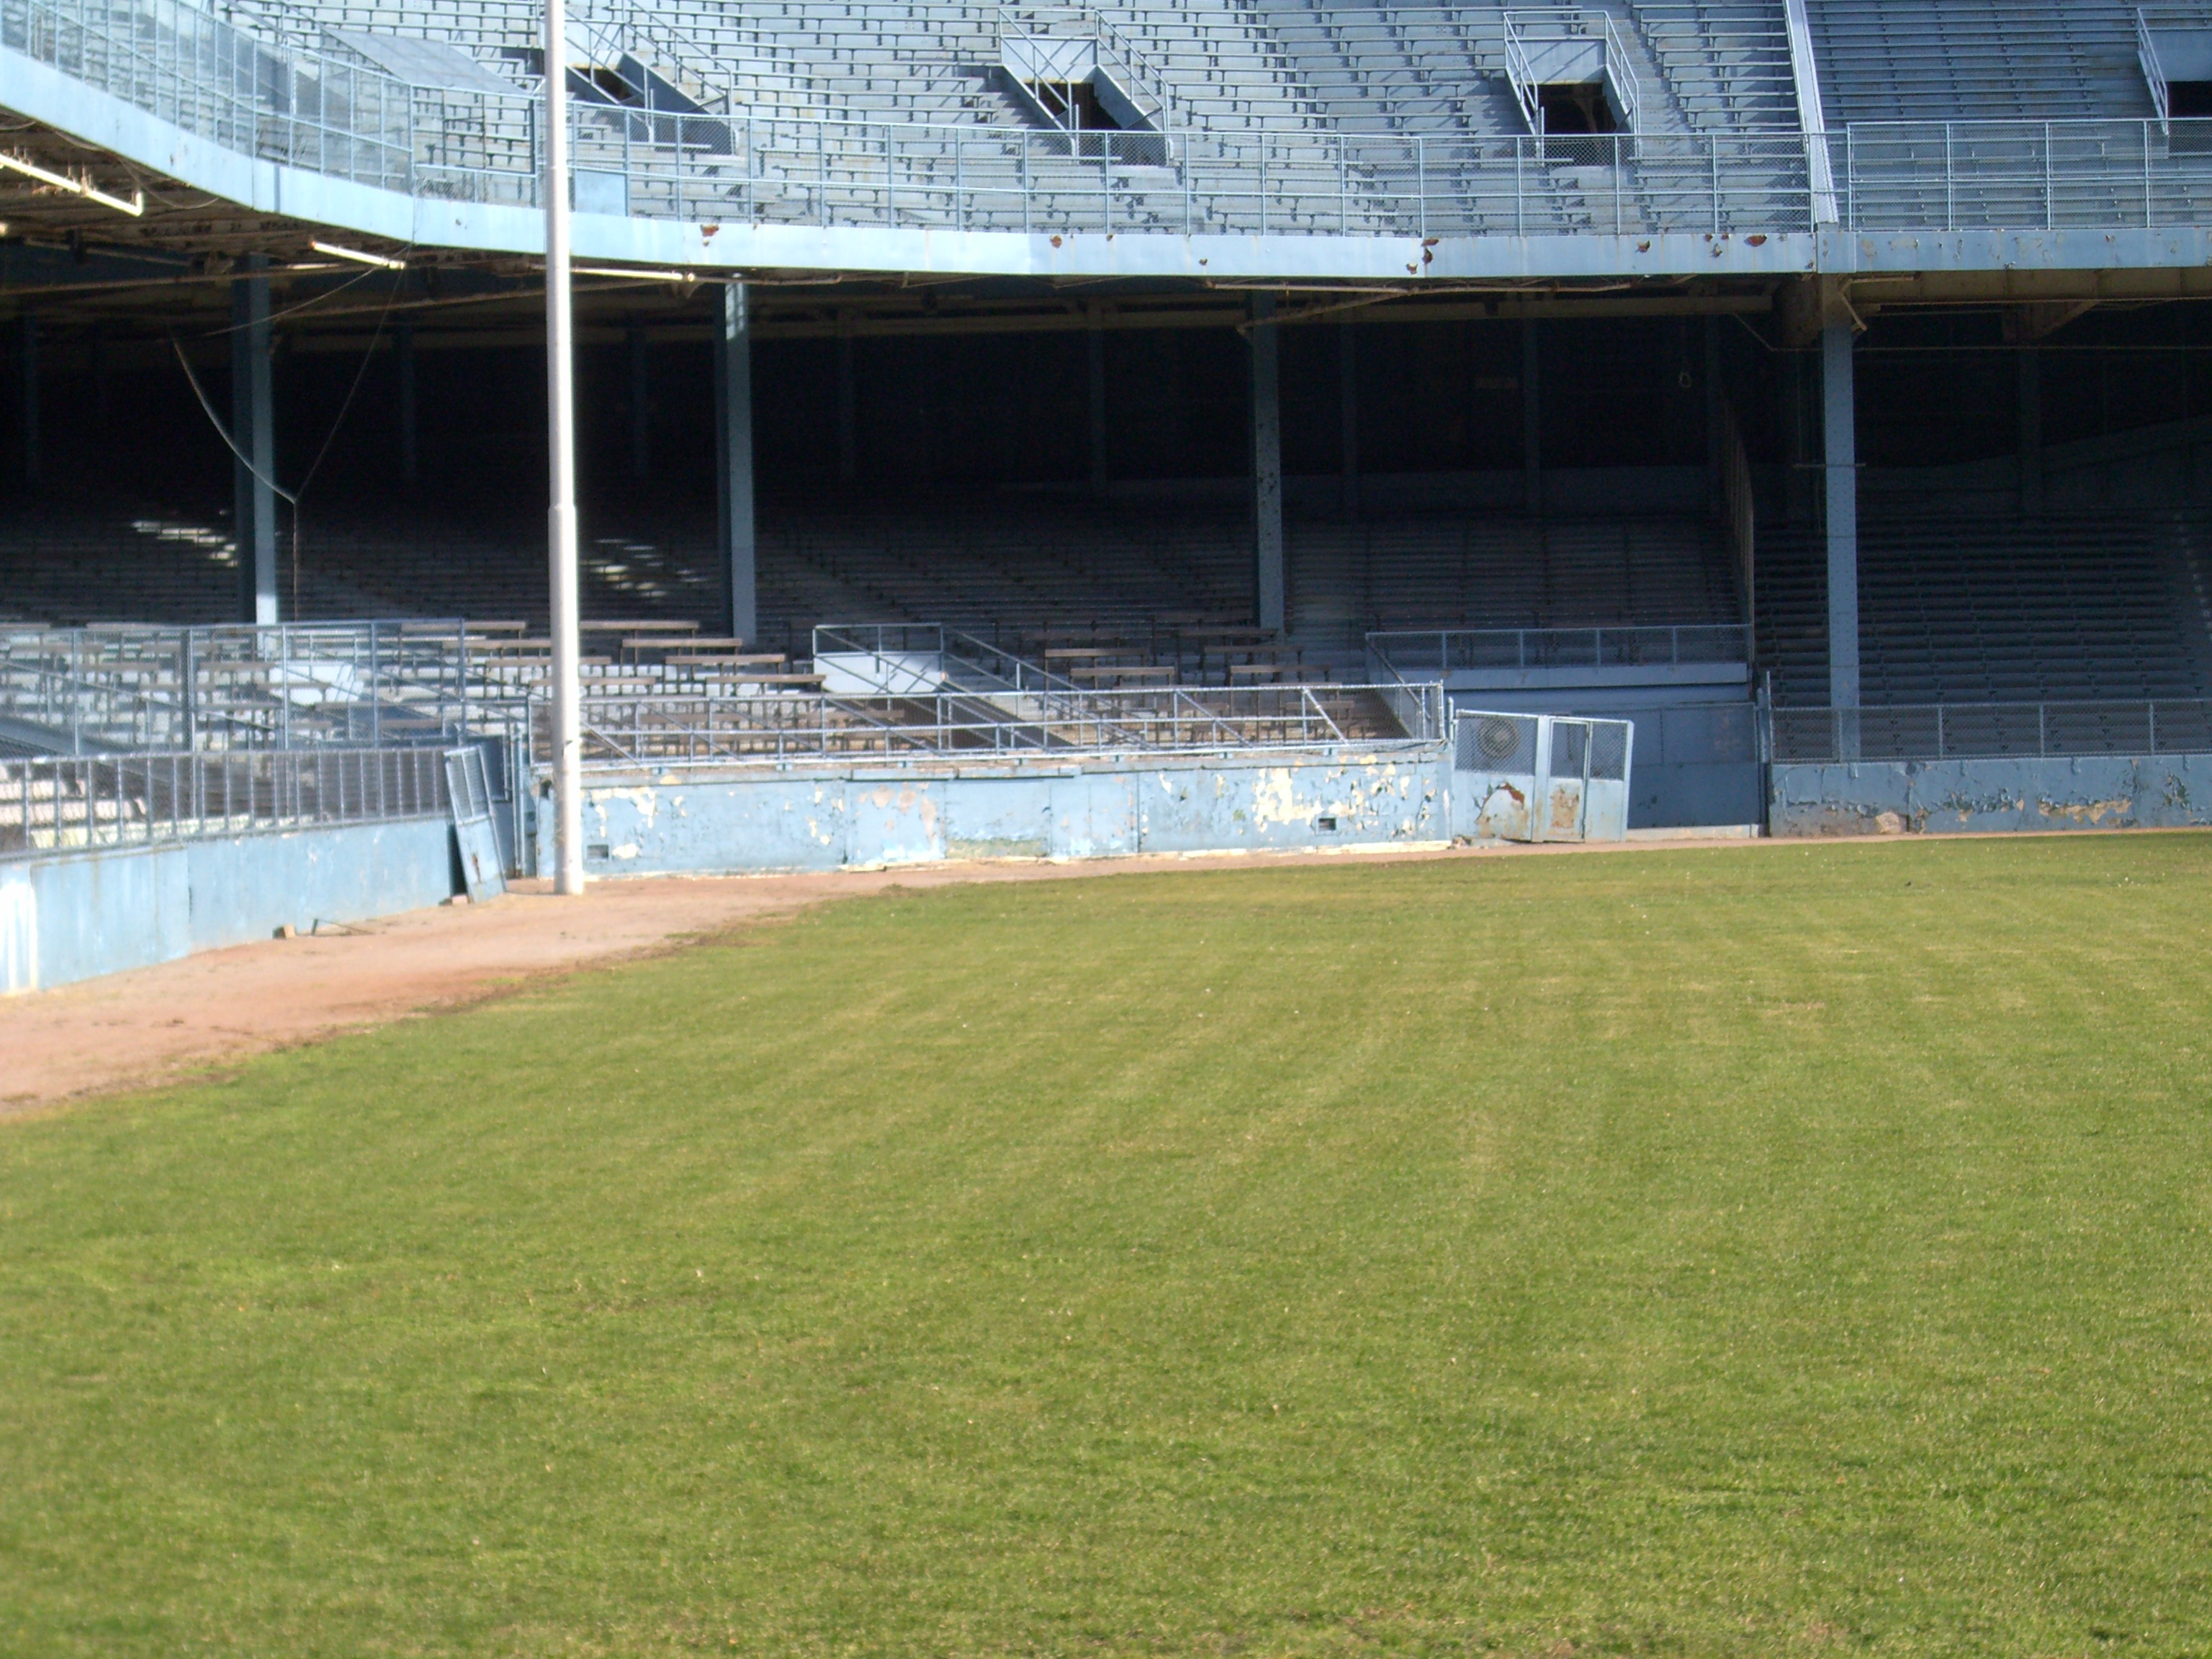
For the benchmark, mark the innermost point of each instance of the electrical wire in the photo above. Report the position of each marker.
(291, 497)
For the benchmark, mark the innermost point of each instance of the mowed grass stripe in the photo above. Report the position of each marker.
(1730, 1253)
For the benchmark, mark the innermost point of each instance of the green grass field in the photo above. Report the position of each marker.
(1774, 1251)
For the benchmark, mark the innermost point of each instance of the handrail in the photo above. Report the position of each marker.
(1521, 76)
(2162, 94)
(1626, 86)
(1811, 121)
(1029, 25)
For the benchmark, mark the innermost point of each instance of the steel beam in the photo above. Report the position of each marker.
(253, 431)
(2030, 431)
(1532, 417)
(33, 455)
(410, 454)
(1841, 432)
(1268, 584)
(848, 407)
(640, 407)
(1347, 376)
(1094, 343)
(734, 458)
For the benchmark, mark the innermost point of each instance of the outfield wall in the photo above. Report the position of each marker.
(75, 916)
(2164, 792)
(753, 820)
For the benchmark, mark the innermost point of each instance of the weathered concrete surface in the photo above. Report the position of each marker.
(2164, 792)
(749, 820)
(76, 915)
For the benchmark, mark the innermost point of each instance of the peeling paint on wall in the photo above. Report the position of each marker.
(1868, 798)
(748, 819)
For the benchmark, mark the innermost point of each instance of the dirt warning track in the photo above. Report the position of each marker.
(189, 1019)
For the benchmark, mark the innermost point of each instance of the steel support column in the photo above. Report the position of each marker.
(848, 411)
(411, 450)
(1532, 418)
(1094, 340)
(2030, 431)
(733, 458)
(1840, 433)
(1268, 585)
(1347, 400)
(640, 407)
(34, 460)
(254, 430)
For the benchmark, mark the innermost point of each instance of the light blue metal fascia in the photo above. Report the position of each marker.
(2165, 247)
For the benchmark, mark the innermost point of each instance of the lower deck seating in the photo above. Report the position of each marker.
(1012, 570)
(2065, 607)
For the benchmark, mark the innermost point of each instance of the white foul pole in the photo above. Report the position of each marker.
(560, 424)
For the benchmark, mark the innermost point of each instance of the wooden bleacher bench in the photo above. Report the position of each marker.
(1151, 673)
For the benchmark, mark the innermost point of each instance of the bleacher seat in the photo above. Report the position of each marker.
(2065, 607)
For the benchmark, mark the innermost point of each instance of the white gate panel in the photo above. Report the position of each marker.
(1540, 777)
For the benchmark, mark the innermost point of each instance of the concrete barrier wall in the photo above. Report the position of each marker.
(76, 916)
(1939, 797)
(753, 820)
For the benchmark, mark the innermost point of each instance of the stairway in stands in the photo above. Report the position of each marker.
(2065, 607)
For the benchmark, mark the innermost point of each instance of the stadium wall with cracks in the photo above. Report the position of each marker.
(2110, 791)
(78, 915)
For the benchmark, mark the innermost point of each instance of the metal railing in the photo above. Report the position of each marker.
(2002, 730)
(1522, 26)
(58, 803)
(2162, 96)
(326, 114)
(1413, 654)
(2025, 175)
(1040, 47)
(143, 688)
(330, 116)
(656, 729)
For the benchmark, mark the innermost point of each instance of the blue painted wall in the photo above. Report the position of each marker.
(76, 916)
(753, 820)
(1940, 797)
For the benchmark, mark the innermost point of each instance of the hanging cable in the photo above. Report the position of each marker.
(291, 497)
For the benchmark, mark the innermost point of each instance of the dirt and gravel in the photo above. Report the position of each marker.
(195, 1016)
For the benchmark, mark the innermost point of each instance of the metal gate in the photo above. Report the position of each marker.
(469, 788)
(1540, 777)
